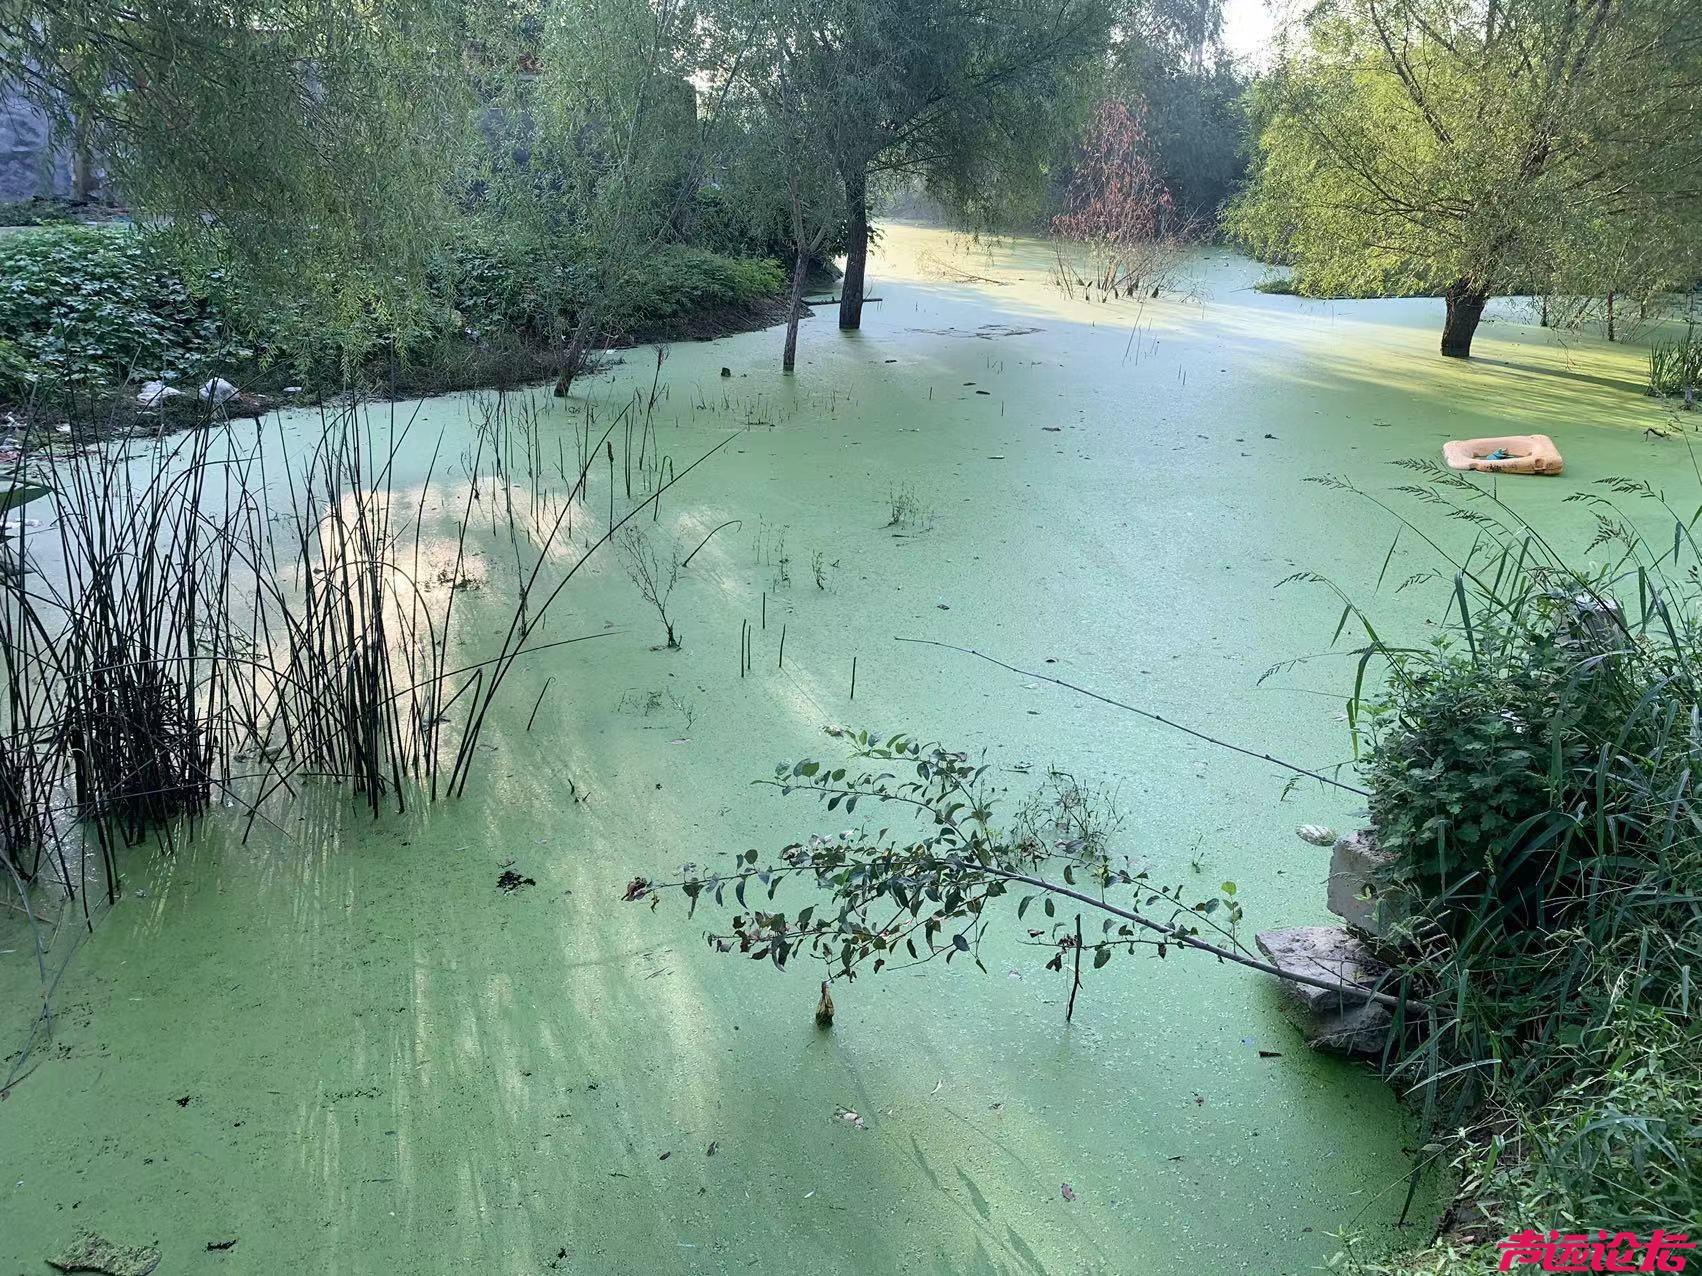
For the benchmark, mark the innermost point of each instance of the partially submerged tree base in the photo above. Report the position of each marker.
(1465, 301)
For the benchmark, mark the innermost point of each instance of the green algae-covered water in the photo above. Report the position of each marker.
(340, 1046)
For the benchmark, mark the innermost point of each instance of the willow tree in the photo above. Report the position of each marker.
(603, 134)
(952, 91)
(781, 169)
(1470, 148)
(1169, 57)
(316, 143)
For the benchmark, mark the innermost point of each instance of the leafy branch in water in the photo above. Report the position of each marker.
(929, 884)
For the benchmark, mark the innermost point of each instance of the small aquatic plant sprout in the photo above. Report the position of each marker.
(905, 509)
(1066, 816)
(782, 561)
(655, 575)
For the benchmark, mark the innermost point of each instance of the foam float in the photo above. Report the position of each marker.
(1509, 454)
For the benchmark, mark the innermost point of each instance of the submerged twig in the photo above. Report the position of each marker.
(1294, 767)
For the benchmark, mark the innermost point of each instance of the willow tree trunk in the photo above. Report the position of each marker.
(578, 346)
(85, 183)
(1465, 301)
(856, 249)
(795, 312)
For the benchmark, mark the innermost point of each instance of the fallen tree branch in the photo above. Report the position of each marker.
(1189, 941)
(1142, 713)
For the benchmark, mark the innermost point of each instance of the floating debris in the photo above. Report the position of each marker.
(89, 1252)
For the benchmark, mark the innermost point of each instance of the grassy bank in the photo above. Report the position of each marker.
(1531, 775)
(91, 313)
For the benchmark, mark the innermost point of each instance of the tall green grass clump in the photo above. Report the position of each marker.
(1533, 775)
(1675, 367)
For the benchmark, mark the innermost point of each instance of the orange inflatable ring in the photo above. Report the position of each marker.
(1524, 454)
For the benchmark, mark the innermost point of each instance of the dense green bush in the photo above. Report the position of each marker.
(33, 212)
(515, 285)
(1477, 777)
(680, 281)
(720, 223)
(14, 371)
(506, 283)
(1533, 773)
(84, 306)
(1299, 285)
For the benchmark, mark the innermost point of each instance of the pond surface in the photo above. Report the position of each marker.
(392, 1066)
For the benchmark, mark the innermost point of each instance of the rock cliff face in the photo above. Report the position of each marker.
(31, 166)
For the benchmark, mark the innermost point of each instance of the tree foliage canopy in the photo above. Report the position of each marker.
(1409, 145)
(317, 140)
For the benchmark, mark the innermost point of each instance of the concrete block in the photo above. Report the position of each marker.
(1357, 868)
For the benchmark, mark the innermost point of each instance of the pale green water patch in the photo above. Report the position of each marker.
(391, 1066)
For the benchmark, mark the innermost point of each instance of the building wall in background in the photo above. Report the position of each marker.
(31, 165)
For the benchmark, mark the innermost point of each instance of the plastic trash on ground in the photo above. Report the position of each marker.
(217, 391)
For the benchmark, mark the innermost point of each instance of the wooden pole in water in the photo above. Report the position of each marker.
(1070, 1010)
(853, 677)
(782, 663)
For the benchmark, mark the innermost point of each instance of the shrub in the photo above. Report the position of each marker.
(85, 306)
(1391, 286)
(1474, 781)
(680, 281)
(14, 371)
(88, 307)
(505, 283)
(33, 212)
(723, 225)
(1532, 773)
